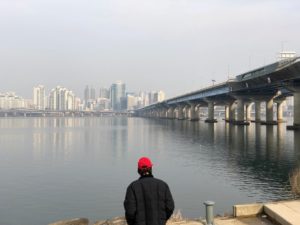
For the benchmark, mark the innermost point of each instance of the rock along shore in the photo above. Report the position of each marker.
(176, 219)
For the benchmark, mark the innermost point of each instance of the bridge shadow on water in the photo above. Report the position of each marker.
(259, 157)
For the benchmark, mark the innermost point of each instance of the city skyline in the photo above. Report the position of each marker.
(176, 46)
(60, 98)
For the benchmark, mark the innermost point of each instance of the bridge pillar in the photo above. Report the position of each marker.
(232, 107)
(240, 113)
(160, 113)
(193, 112)
(152, 113)
(248, 112)
(297, 109)
(269, 113)
(180, 113)
(186, 112)
(211, 112)
(226, 113)
(199, 112)
(296, 125)
(257, 112)
(280, 111)
(164, 113)
(170, 113)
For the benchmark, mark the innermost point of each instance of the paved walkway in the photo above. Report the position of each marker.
(285, 213)
(242, 221)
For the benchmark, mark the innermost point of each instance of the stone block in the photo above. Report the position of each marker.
(247, 210)
(77, 221)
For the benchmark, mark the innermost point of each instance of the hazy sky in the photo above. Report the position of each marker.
(171, 45)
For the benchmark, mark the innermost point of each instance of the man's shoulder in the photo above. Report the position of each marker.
(148, 179)
(154, 180)
(160, 181)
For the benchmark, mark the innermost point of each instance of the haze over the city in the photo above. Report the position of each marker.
(171, 45)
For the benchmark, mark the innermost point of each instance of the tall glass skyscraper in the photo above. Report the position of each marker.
(117, 92)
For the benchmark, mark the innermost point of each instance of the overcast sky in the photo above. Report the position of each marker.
(171, 45)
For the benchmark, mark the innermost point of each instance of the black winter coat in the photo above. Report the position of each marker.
(148, 201)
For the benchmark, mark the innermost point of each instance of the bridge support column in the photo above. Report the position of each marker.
(280, 111)
(269, 113)
(257, 112)
(153, 114)
(232, 107)
(171, 112)
(180, 113)
(186, 112)
(227, 113)
(193, 113)
(159, 113)
(240, 113)
(211, 112)
(248, 112)
(165, 113)
(296, 125)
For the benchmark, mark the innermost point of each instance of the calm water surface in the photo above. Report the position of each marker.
(58, 168)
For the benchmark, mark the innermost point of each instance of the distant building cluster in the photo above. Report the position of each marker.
(10, 100)
(114, 98)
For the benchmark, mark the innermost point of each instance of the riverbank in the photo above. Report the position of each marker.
(283, 212)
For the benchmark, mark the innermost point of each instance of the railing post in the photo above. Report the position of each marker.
(209, 206)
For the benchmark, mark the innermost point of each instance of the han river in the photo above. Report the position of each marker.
(61, 168)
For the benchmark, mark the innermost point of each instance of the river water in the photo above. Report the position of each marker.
(59, 168)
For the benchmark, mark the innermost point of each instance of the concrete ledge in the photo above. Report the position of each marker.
(293, 127)
(211, 121)
(255, 121)
(271, 123)
(284, 213)
(247, 210)
(243, 123)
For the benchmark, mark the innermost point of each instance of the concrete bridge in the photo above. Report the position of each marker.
(270, 84)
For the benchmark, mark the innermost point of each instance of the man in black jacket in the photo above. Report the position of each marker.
(148, 200)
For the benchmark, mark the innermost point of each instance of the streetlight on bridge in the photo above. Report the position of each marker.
(213, 82)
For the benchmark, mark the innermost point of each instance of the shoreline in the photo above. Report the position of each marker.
(272, 213)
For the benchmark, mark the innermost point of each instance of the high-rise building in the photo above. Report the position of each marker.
(159, 96)
(61, 99)
(92, 93)
(103, 93)
(117, 92)
(151, 97)
(39, 97)
(103, 104)
(89, 97)
(131, 102)
(86, 94)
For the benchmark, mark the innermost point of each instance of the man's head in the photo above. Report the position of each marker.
(145, 166)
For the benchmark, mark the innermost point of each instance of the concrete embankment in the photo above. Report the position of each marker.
(274, 213)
